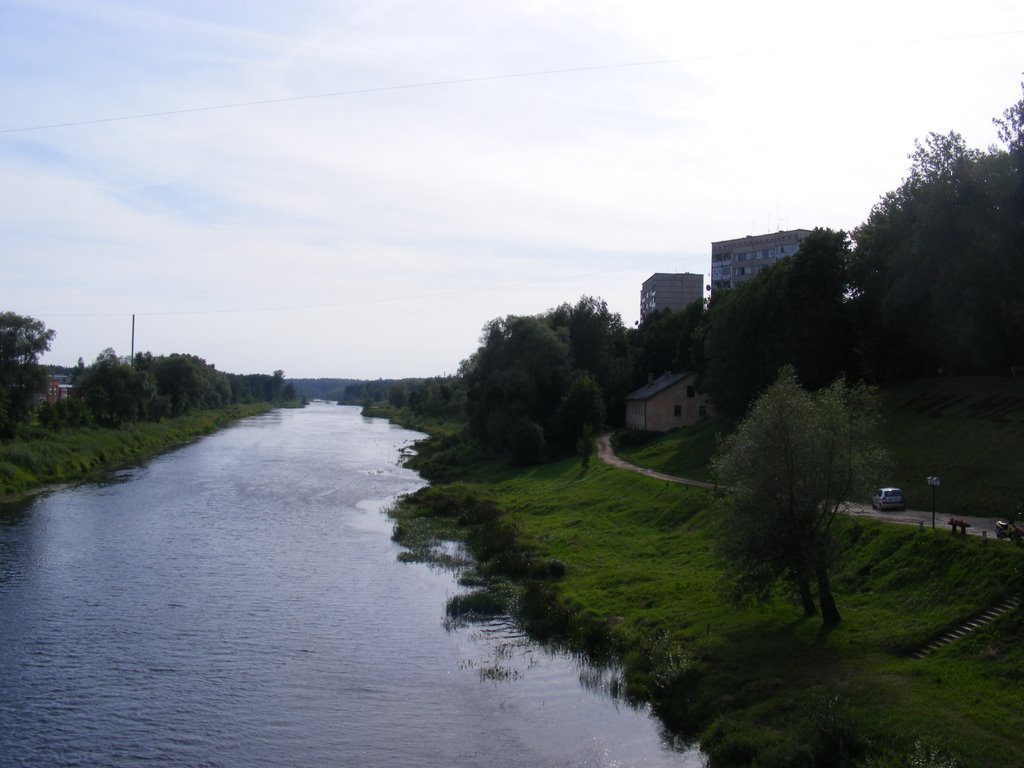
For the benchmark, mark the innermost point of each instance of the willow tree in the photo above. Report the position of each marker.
(792, 466)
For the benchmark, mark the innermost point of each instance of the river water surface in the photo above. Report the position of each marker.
(239, 602)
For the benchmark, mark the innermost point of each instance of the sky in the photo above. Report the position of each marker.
(353, 189)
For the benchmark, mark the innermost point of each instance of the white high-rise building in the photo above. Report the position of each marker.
(735, 261)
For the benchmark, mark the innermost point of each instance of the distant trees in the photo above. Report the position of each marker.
(22, 341)
(118, 391)
(190, 382)
(442, 397)
(114, 391)
(396, 395)
(793, 462)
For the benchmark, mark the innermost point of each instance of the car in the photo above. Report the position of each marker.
(888, 498)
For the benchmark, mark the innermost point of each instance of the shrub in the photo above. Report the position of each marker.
(527, 443)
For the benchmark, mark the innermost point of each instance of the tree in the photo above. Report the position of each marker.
(397, 395)
(937, 267)
(793, 464)
(598, 346)
(796, 313)
(22, 341)
(190, 382)
(515, 382)
(667, 341)
(581, 412)
(1011, 126)
(115, 392)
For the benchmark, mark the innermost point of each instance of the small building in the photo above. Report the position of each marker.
(666, 403)
(58, 388)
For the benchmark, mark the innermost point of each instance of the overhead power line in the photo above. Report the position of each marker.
(351, 92)
(437, 83)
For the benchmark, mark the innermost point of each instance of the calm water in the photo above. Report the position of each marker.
(238, 602)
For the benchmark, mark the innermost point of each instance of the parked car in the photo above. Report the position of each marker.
(888, 498)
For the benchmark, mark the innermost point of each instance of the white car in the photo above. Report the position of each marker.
(888, 498)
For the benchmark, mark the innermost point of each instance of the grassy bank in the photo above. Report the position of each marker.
(42, 457)
(618, 561)
(611, 560)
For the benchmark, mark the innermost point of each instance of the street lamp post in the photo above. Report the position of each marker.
(933, 481)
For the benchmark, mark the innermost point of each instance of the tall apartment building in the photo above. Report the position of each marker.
(735, 261)
(670, 291)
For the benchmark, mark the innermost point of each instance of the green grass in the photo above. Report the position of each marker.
(683, 452)
(760, 684)
(968, 431)
(42, 457)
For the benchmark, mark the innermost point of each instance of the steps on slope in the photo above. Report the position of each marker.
(969, 626)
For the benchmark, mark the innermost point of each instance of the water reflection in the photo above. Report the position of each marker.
(239, 602)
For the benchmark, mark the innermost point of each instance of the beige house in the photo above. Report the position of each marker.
(667, 403)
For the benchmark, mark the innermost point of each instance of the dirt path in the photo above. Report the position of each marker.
(976, 525)
(607, 454)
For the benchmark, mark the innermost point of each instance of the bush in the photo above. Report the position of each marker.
(65, 414)
(527, 443)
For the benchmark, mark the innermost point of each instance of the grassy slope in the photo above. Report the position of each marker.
(638, 561)
(44, 457)
(968, 431)
(638, 558)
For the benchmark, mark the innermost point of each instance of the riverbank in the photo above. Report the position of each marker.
(615, 561)
(45, 457)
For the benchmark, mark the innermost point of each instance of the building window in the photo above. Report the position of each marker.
(677, 411)
(690, 391)
(702, 411)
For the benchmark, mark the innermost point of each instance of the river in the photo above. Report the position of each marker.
(239, 602)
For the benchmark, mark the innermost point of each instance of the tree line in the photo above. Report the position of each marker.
(114, 390)
(928, 285)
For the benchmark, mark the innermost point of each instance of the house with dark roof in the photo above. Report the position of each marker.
(666, 403)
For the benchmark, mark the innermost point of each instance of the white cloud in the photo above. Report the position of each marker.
(372, 234)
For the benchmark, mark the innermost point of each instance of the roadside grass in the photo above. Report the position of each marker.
(683, 452)
(968, 431)
(639, 570)
(43, 457)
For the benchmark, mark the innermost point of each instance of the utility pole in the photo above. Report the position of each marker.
(934, 481)
(133, 340)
